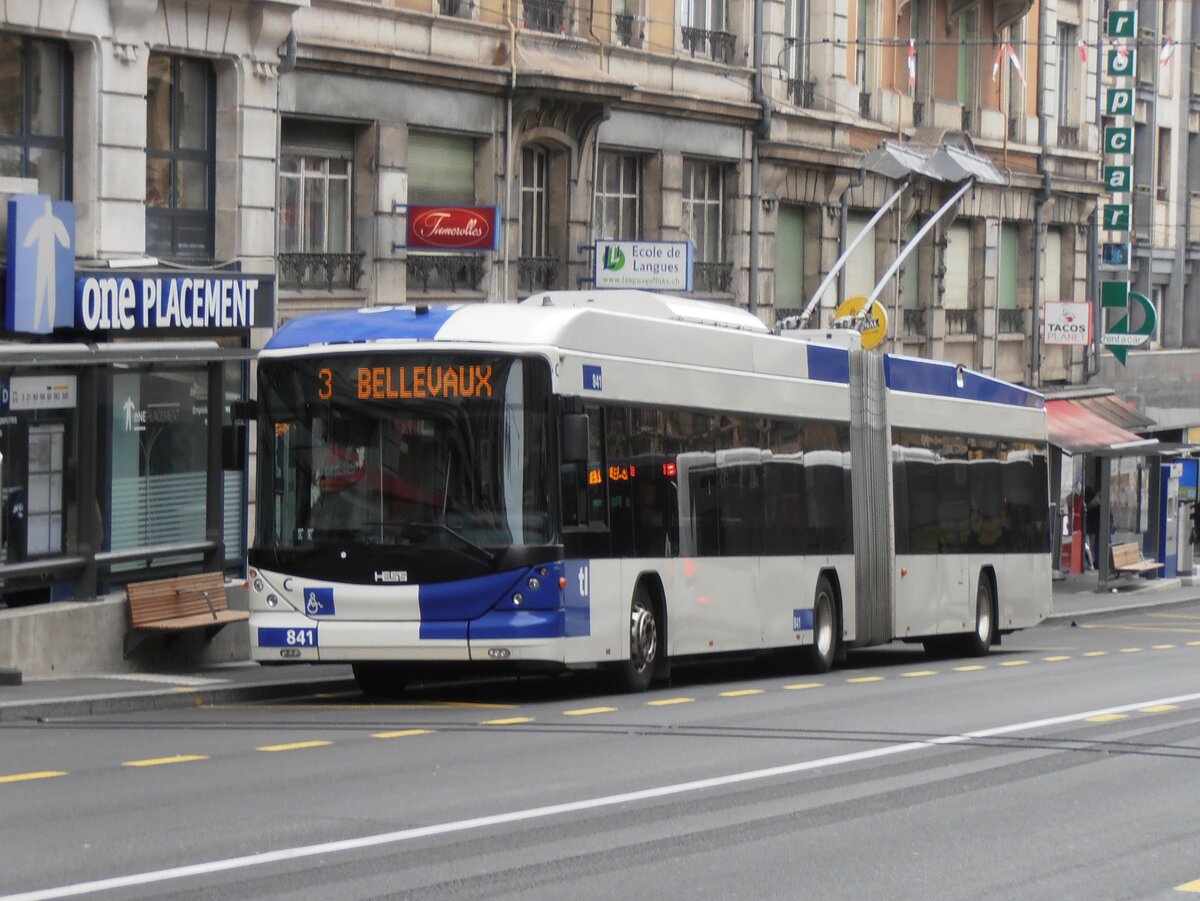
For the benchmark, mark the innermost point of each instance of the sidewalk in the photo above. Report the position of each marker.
(43, 697)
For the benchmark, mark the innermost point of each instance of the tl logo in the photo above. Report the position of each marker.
(614, 258)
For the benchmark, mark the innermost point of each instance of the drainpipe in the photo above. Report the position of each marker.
(288, 63)
(762, 131)
(508, 139)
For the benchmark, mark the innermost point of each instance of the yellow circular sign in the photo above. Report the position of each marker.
(874, 323)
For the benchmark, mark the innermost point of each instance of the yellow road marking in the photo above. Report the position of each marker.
(801, 686)
(509, 721)
(970, 668)
(1056, 658)
(29, 777)
(741, 692)
(916, 674)
(417, 705)
(1175, 615)
(667, 702)
(1107, 717)
(861, 679)
(1158, 708)
(295, 746)
(160, 761)
(402, 733)
(1014, 663)
(1163, 647)
(1193, 886)
(1130, 650)
(588, 711)
(1095, 653)
(1194, 644)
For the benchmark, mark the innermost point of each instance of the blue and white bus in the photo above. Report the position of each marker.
(625, 479)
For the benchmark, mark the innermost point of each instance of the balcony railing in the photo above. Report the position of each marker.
(864, 104)
(629, 34)
(803, 93)
(918, 113)
(1068, 136)
(713, 278)
(445, 271)
(716, 45)
(968, 118)
(1011, 322)
(914, 323)
(554, 16)
(320, 270)
(453, 7)
(960, 322)
(537, 273)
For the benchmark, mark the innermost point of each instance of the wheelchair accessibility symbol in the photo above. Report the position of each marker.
(318, 601)
(314, 606)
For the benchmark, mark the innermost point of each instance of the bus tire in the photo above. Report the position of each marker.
(818, 657)
(979, 642)
(379, 680)
(636, 673)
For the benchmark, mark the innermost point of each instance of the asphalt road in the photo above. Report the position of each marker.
(1064, 765)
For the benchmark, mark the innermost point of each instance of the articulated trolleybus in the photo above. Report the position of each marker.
(625, 479)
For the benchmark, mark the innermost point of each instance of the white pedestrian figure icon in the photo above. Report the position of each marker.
(47, 231)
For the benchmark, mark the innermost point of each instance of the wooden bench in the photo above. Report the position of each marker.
(1127, 558)
(177, 605)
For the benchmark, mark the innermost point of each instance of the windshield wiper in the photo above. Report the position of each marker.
(488, 557)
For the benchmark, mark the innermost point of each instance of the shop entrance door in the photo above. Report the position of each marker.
(44, 502)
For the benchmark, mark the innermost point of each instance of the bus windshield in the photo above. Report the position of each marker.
(404, 450)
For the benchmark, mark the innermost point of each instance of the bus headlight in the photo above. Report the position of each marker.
(534, 583)
(272, 601)
(517, 599)
(259, 585)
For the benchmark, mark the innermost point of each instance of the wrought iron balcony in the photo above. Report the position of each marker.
(320, 270)
(537, 273)
(713, 278)
(453, 7)
(554, 16)
(914, 323)
(716, 45)
(864, 104)
(960, 322)
(968, 118)
(802, 92)
(628, 32)
(1068, 136)
(445, 270)
(918, 112)
(1011, 322)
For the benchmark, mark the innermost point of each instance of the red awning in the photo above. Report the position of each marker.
(1077, 427)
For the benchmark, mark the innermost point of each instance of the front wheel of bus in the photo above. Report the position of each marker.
(637, 672)
(818, 657)
(379, 680)
(979, 642)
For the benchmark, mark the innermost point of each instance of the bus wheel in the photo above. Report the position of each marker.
(979, 642)
(637, 672)
(379, 680)
(818, 656)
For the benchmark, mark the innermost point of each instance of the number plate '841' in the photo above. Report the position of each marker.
(277, 637)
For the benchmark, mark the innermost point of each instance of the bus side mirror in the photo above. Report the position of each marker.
(575, 438)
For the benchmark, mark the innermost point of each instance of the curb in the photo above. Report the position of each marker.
(174, 699)
(1065, 618)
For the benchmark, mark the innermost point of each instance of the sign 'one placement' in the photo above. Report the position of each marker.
(650, 265)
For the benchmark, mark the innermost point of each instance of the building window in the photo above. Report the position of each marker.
(316, 168)
(704, 223)
(35, 106)
(537, 268)
(796, 55)
(180, 158)
(618, 210)
(1068, 37)
(555, 16)
(968, 66)
(790, 250)
(441, 172)
(1162, 164)
(629, 23)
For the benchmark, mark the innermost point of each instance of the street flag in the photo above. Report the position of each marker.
(1083, 51)
(996, 64)
(1012, 58)
(912, 63)
(1168, 50)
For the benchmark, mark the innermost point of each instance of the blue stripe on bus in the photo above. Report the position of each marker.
(351, 326)
(828, 364)
(511, 624)
(941, 380)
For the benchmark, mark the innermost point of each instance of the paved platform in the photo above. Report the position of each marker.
(1076, 598)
